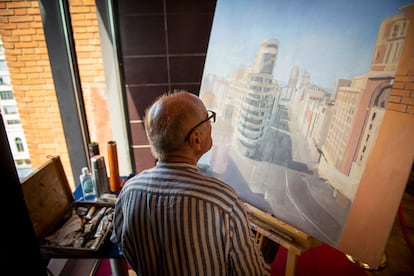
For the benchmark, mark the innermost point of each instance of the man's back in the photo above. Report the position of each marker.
(171, 220)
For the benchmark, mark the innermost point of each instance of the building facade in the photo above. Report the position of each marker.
(12, 122)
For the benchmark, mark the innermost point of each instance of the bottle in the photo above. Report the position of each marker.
(99, 175)
(88, 188)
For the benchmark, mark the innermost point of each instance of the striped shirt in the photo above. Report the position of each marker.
(172, 220)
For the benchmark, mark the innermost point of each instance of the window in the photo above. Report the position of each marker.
(396, 53)
(19, 144)
(4, 80)
(395, 31)
(93, 85)
(389, 50)
(6, 95)
(3, 65)
(10, 109)
(13, 122)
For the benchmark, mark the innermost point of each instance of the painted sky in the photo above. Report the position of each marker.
(329, 38)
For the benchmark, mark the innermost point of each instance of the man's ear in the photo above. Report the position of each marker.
(195, 140)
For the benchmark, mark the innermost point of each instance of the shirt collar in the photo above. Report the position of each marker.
(177, 165)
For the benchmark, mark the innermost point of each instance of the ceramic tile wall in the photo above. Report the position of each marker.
(164, 46)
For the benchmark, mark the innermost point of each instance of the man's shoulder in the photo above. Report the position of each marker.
(183, 182)
(217, 192)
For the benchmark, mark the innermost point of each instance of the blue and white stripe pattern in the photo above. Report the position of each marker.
(172, 220)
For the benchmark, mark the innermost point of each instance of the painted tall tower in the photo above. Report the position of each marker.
(293, 80)
(258, 98)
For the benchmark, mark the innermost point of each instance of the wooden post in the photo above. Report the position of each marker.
(290, 263)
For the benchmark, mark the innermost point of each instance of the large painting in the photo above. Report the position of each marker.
(300, 89)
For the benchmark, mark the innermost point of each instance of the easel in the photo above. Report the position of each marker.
(295, 241)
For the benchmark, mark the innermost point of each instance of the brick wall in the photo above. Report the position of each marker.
(26, 54)
(402, 95)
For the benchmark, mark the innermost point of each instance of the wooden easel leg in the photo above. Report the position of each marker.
(290, 263)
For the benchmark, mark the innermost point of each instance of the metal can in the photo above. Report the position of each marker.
(99, 175)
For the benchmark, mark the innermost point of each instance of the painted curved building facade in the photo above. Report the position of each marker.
(258, 92)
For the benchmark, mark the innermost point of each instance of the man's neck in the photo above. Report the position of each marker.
(180, 159)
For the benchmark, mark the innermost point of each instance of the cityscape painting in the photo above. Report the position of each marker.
(300, 89)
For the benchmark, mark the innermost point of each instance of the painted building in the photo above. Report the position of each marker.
(258, 90)
(293, 80)
(360, 107)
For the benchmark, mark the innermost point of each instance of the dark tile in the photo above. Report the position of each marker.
(186, 69)
(151, 70)
(181, 6)
(192, 88)
(188, 33)
(143, 35)
(140, 98)
(143, 159)
(134, 6)
(138, 135)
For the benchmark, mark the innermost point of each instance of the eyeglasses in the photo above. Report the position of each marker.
(211, 117)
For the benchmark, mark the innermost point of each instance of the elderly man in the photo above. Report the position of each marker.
(173, 220)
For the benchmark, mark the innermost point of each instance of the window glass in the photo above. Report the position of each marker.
(28, 97)
(6, 95)
(13, 122)
(10, 109)
(19, 144)
(3, 66)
